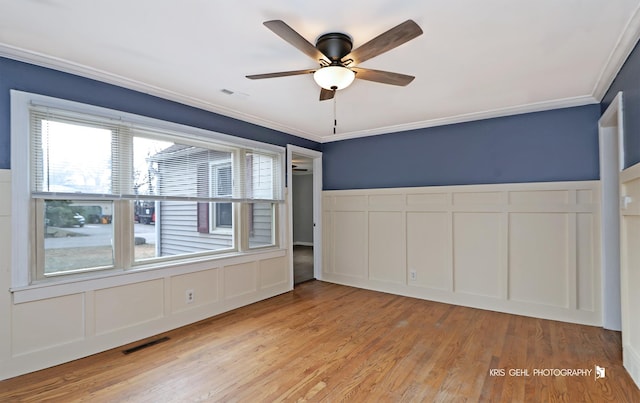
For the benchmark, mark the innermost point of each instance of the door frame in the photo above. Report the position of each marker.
(611, 145)
(316, 156)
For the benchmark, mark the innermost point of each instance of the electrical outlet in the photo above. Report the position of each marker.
(190, 296)
(413, 276)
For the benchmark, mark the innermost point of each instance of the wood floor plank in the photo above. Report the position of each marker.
(327, 342)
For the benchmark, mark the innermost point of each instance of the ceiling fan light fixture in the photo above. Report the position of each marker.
(334, 77)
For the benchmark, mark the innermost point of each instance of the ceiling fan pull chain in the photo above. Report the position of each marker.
(335, 120)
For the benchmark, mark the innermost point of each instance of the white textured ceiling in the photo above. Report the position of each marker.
(476, 59)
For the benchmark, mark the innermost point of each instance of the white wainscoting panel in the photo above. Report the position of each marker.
(526, 248)
(328, 237)
(240, 279)
(271, 273)
(429, 251)
(128, 305)
(477, 252)
(386, 246)
(45, 324)
(204, 285)
(350, 243)
(539, 265)
(630, 271)
(586, 236)
(5, 190)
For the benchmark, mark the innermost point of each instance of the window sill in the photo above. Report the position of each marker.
(221, 231)
(60, 287)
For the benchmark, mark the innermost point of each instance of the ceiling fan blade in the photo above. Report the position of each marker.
(386, 41)
(326, 94)
(380, 76)
(287, 33)
(280, 74)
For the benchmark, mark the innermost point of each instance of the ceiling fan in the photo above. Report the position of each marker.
(338, 62)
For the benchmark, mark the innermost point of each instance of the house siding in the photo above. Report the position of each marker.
(262, 225)
(178, 220)
(179, 231)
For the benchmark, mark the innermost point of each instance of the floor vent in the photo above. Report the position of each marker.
(145, 345)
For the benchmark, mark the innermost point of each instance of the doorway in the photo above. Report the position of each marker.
(611, 136)
(302, 206)
(304, 196)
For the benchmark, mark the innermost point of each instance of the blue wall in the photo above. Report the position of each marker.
(39, 80)
(557, 145)
(628, 81)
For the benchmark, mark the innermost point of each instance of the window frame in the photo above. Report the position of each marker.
(214, 226)
(39, 269)
(25, 250)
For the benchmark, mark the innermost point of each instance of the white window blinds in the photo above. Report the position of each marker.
(94, 157)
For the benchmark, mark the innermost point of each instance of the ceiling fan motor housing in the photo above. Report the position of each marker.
(334, 45)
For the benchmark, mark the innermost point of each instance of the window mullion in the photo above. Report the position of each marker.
(241, 229)
(37, 222)
(123, 234)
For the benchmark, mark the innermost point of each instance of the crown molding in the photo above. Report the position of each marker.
(618, 56)
(469, 117)
(47, 61)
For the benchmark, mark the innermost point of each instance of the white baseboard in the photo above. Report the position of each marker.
(631, 361)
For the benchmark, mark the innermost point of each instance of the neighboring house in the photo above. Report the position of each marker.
(192, 227)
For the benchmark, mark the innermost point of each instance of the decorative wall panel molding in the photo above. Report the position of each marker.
(526, 248)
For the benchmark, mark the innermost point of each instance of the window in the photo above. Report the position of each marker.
(262, 230)
(113, 191)
(71, 240)
(221, 187)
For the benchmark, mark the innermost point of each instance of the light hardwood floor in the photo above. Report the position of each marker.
(326, 342)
